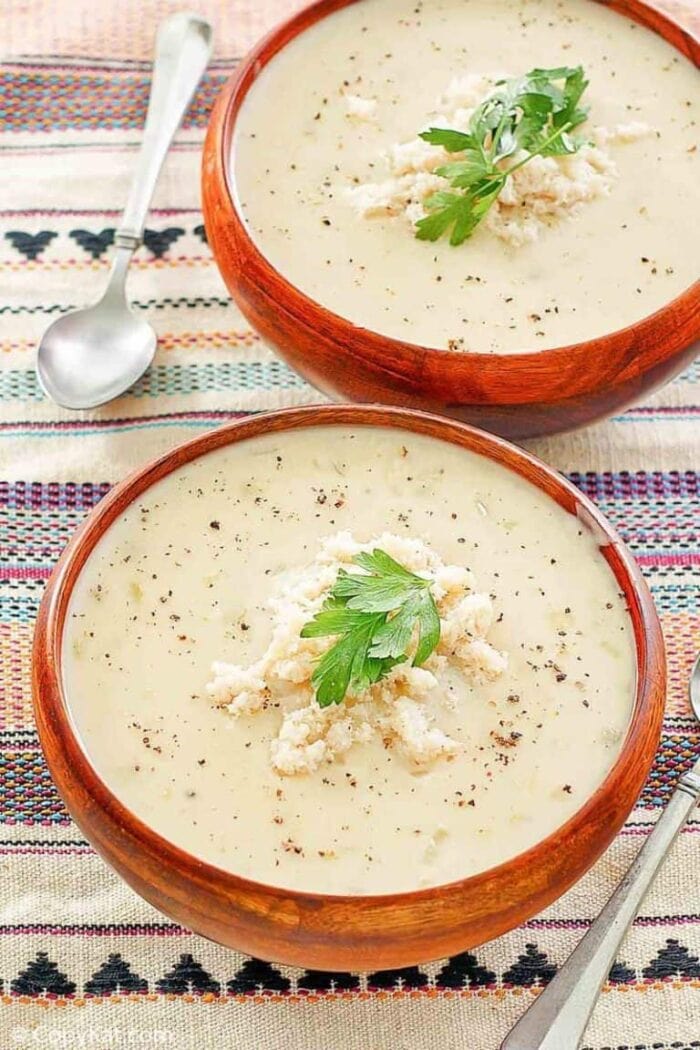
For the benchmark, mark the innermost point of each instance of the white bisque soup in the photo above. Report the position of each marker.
(324, 114)
(184, 578)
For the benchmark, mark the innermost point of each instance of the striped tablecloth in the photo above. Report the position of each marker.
(83, 961)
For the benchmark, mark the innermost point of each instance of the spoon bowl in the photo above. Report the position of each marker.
(90, 356)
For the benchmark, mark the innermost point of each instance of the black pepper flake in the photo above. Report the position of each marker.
(215, 525)
(291, 847)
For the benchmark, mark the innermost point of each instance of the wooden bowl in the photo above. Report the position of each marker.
(516, 395)
(332, 931)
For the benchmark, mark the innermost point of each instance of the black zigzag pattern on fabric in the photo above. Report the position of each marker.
(30, 245)
(95, 244)
(257, 976)
(673, 961)
(188, 977)
(159, 241)
(43, 977)
(532, 967)
(115, 975)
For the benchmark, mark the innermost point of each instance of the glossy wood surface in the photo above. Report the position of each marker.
(515, 395)
(344, 932)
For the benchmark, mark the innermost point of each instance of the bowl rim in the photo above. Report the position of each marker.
(566, 369)
(59, 734)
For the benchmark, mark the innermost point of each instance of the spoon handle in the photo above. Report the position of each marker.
(558, 1017)
(183, 47)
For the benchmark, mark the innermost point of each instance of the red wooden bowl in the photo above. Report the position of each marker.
(331, 931)
(517, 395)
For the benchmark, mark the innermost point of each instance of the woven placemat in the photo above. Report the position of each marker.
(83, 961)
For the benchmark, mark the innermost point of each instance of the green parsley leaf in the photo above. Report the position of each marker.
(428, 629)
(461, 211)
(534, 114)
(334, 617)
(393, 637)
(344, 661)
(452, 141)
(376, 614)
(464, 173)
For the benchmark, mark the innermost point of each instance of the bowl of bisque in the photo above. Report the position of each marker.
(348, 687)
(481, 209)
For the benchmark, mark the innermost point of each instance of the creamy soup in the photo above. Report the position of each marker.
(320, 119)
(184, 578)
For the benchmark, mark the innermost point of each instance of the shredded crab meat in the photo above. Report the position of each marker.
(394, 708)
(544, 190)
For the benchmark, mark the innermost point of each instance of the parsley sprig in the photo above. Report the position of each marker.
(535, 113)
(375, 614)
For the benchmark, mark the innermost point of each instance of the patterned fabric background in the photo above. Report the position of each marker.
(83, 961)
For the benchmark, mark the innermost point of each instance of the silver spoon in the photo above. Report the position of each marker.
(88, 357)
(558, 1017)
